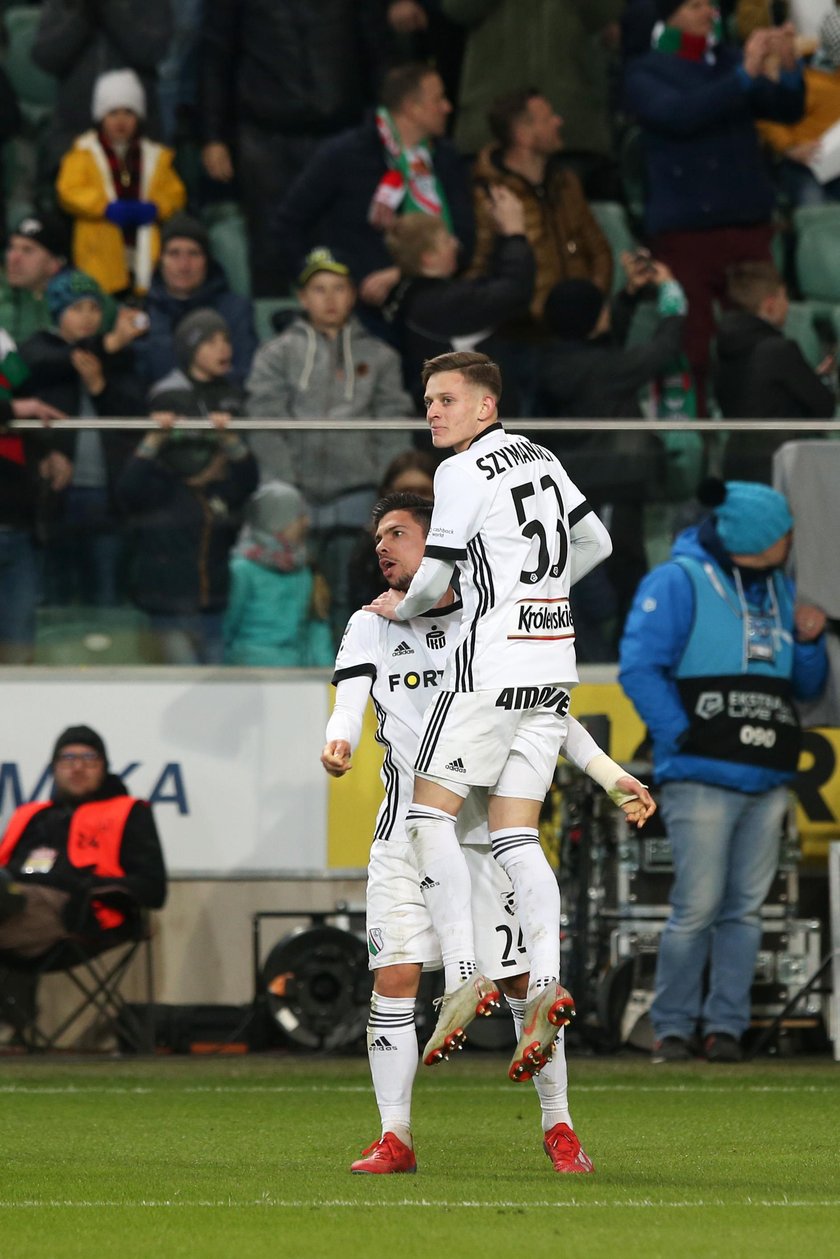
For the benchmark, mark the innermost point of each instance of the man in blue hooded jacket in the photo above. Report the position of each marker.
(714, 653)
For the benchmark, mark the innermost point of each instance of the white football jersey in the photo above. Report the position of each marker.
(405, 661)
(503, 510)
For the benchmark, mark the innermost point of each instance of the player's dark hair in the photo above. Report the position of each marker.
(507, 110)
(401, 82)
(419, 508)
(476, 368)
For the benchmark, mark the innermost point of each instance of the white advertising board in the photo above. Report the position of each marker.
(230, 763)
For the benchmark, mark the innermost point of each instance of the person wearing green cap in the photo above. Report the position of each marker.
(327, 365)
(716, 652)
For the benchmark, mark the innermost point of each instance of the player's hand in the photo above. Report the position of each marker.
(335, 757)
(638, 810)
(386, 604)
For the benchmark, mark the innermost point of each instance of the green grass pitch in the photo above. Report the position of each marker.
(247, 1158)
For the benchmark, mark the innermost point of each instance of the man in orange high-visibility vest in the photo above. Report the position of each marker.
(56, 856)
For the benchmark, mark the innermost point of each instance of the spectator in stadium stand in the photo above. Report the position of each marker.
(277, 77)
(762, 374)
(77, 860)
(11, 120)
(327, 365)
(563, 233)
(85, 373)
(184, 492)
(562, 45)
(30, 466)
(357, 184)
(77, 40)
(716, 652)
(37, 249)
(200, 385)
(710, 199)
(587, 370)
(188, 278)
(798, 145)
(420, 31)
(433, 308)
(118, 186)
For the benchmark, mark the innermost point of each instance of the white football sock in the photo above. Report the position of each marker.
(518, 852)
(393, 1056)
(552, 1083)
(446, 888)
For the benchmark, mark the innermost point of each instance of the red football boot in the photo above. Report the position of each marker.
(386, 1156)
(563, 1147)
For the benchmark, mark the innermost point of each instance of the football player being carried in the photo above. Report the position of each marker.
(400, 666)
(521, 533)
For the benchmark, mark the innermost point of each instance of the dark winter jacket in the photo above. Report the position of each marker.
(704, 163)
(155, 352)
(21, 488)
(601, 379)
(181, 535)
(77, 42)
(329, 202)
(760, 374)
(185, 396)
(431, 312)
(140, 856)
(54, 379)
(296, 68)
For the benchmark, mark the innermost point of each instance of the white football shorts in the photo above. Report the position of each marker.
(473, 739)
(399, 928)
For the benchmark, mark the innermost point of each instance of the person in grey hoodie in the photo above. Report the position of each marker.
(327, 366)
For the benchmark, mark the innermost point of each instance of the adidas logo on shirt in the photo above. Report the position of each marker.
(457, 766)
(382, 1042)
(402, 649)
(427, 884)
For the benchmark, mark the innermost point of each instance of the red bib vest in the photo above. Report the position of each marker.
(95, 839)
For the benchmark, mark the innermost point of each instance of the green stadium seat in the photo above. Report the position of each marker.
(633, 170)
(229, 244)
(265, 308)
(94, 637)
(818, 252)
(612, 219)
(800, 327)
(34, 88)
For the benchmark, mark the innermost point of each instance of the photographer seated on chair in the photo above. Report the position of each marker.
(81, 865)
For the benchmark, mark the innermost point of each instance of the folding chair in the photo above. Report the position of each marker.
(96, 964)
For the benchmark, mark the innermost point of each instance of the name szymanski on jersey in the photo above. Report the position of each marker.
(405, 661)
(503, 511)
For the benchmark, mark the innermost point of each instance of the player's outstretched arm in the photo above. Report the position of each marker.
(631, 796)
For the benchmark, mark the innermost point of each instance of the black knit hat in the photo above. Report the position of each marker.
(572, 309)
(184, 225)
(199, 326)
(80, 734)
(50, 231)
(664, 8)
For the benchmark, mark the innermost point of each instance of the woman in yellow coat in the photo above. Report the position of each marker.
(118, 186)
